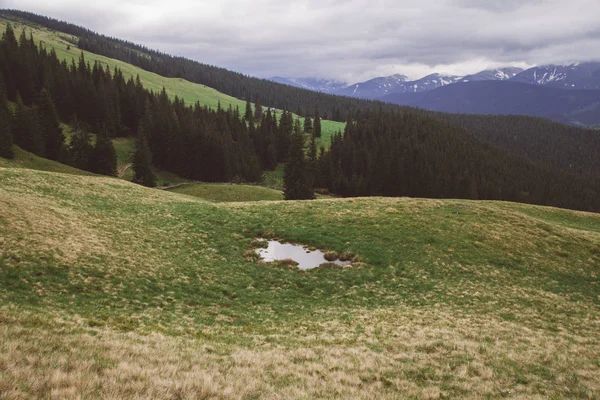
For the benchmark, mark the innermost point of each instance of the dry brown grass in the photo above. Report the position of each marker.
(400, 353)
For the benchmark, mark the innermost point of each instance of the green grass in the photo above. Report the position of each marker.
(109, 289)
(25, 159)
(223, 192)
(274, 178)
(188, 91)
(125, 149)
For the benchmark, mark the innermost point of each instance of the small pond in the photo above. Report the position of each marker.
(305, 258)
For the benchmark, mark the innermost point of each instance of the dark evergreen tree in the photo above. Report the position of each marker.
(8, 51)
(9, 36)
(308, 127)
(249, 115)
(317, 123)
(142, 160)
(26, 129)
(323, 169)
(49, 123)
(80, 148)
(284, 133)
(296, 173)
(313, 165)
(103, 158)
(258, 110)
(23, 71)
(6, 120)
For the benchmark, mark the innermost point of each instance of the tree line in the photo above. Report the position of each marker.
(36, 127)
(568, 148)
(232, 83)
(407, 154)
(192, 141)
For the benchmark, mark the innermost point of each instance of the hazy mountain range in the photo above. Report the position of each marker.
(572, 76)
(564, 93)
(378, 87)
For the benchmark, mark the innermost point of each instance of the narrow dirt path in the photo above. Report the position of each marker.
(123, 169)
(178, 185)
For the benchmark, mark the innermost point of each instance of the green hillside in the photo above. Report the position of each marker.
(65, 47)
(225, 192)
(112, 290)
(25, 159)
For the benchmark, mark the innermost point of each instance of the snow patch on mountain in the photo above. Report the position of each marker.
(500, 74)
(585, 75)
(373, 88)
(317, 85)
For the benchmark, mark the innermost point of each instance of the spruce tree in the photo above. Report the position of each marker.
(308, 125)
(258, 111)
(249, 115)
(26, 129)
(8, 50)
(324, 169)
(313, 163)
(283, 135)
(50, 127)
(296, 175)
(104, 157)
(80, 149)
(142, 160)
(6, 136)
(9, 37)
(317, 123)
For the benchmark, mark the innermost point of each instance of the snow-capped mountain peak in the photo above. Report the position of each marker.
(375, 87)
(499, 74)
(568, 76)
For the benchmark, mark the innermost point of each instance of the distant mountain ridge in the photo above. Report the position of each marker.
(584, 75)
(564, 93)
(382, 86)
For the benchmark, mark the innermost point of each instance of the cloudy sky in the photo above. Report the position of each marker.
(349, 40)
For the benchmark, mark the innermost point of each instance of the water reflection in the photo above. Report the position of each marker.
(306, 259)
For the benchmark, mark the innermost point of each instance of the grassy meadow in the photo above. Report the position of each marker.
(190, 92)
(274, 178)
(25, 159)
(225, 192)
(111, 290)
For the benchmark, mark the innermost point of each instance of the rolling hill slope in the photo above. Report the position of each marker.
(65, 47)
(229, 193)
(112, 289)
(25, 159)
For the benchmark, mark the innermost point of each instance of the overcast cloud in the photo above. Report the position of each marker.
(348, 40)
